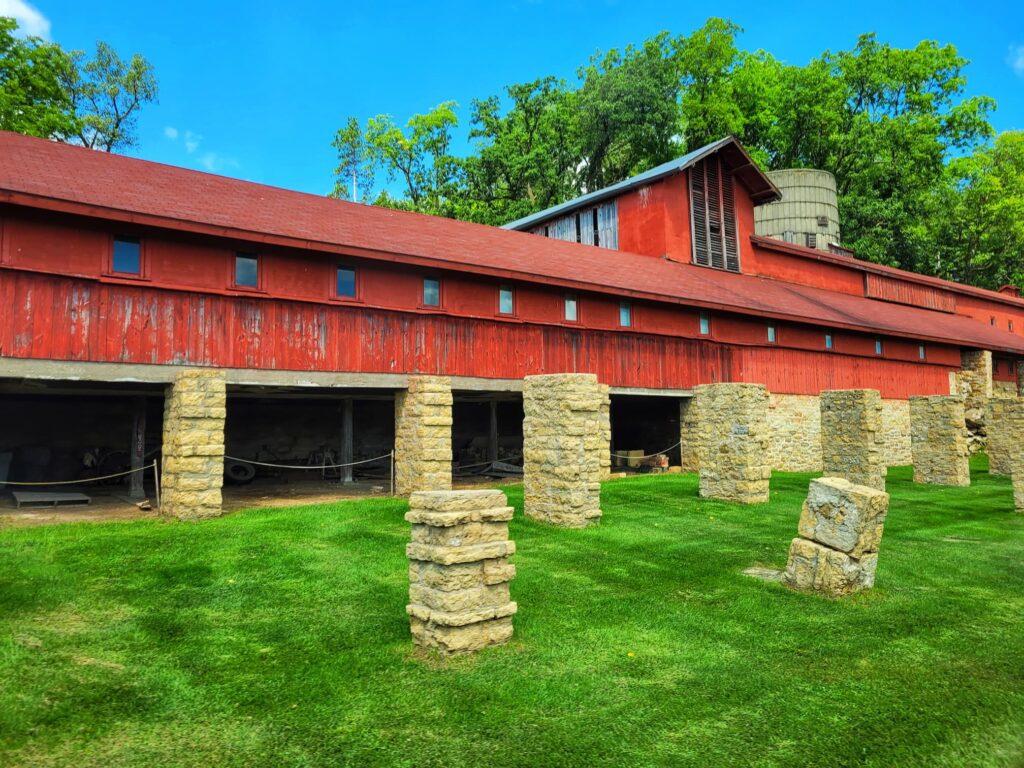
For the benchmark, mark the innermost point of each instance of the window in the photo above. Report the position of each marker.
(920, 352)
(713, 216)
(506, 300)
(828, 341)
(127, 256)
(246, 270)
(878, 346)
(625, 314)
(771, 334)
(705, 323)
(346, 283)
(431, 292)
(571, 315)
(992, 321)
(1009, 324)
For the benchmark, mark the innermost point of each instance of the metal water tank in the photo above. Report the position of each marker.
(807, 214)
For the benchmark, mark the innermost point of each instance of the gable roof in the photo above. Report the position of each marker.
(761, 188)
(46, 175)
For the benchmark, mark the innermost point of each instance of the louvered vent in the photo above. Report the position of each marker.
(713, 214)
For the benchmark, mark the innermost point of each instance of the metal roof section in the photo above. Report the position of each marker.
(762, 189)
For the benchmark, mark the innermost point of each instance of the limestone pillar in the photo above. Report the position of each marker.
(688, 435)
(851, 436)
(840, 531)
(730, 425)
(974, 381)
(566, 438)
(423, 435)
(1010, 432)
(459, 571)
(1001, 438)
(192, 464)
(938, 440)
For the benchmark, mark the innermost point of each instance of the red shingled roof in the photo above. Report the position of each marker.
(44, 174)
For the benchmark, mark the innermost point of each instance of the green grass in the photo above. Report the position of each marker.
(279, 638)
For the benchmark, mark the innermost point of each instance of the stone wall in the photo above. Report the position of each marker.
(851, 434)
(566, 439)
(939, 440)
(423, 435)
(896, 433)
(1004, 389)
(795, 425)
(732, 438)
(459, 571)
(974, 384)
(192, 463)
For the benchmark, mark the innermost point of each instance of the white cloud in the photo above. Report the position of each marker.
(171, 132)
(1015, 58)
(192, 141)
(215, 163)
(30, 20)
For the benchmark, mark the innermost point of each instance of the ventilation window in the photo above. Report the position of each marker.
(828, 341)
(431, 292)
(812, 240)
(506, 300)
(878, 346)
(570, 308)
(771, 334)
(713, 216)
(705, 324)
(346, 288)
(823, 221)
(920, 352)
(127, 257)
(247, 270)
(625, 314)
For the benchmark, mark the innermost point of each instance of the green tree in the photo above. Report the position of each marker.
(356, 170)
(32, 99)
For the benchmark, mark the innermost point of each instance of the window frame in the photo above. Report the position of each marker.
(830, 341)
(423, 293)
(356, 284)
(575, 297)
(922, 352)
(772, 334)
(704, 323)
(879, 348)
(236, 255)
(511, 289)
(626, 306)
(142, 274)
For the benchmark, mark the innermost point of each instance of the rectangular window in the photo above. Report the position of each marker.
(771, 334)
(127, 256)
(992, 321)
(246, 270)
(920, 352)
(571, 315)
(346, 283)
(625, 314)
(506, 300)
(878, 346)
(705, 323)
(828, 341)
(1010, 325)
(713, 215)
(431, 292)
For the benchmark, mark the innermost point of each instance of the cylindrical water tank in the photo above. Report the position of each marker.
(807, 214)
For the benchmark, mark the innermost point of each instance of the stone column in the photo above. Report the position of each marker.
(192, 465)
(1020, 378)
(938, 440)
(1001, 439)
(688, 435)
(459, 570)
(566, 437)
(423, 435)
(974, 381)
(731, 433)
(840, 531)
(1010, 429)
(851, 432)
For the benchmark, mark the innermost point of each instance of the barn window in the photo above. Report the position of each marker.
(1010, 325)
(828, 341)
(878, 346)
(506, 300)
(771, 334)
(246, 270)
(346, 283)
(992, 320)
(625, 314)
(570, 308)
(127, 256)
(431, 292)
(920, 352)
(705, 323)
(713, 216)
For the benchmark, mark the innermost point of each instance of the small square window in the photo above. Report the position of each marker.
(625, 314)
(246, 270)
(1010, 325)
(878, 346)
(828, 341)
(571, 315)
(705, 323)
(992, 321)
(431, 292)
(771, 334)
(127, 256)
(346, 283)
(506, 300)
(920, 352)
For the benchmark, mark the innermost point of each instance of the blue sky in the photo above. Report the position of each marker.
(257, 90)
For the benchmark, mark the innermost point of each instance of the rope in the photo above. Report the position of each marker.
(648, 456)
(82, 480)
(308, 466)
(485, 463)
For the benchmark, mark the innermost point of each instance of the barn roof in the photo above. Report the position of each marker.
(43, 174)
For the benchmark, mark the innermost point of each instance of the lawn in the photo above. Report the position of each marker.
(279, 638)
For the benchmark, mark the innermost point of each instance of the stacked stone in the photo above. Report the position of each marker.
(689, 451)
(730, 429)
(851, 431)
(423, 435)
(606, 421)
(840, 532)
(1010, 429)
(566, 438)
(974, 381)
(938, 440)
(459, 571)
(1001, 440)
(192, 466)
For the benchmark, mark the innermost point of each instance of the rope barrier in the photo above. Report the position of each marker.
(308, 466)
(485, 463)
(81, 480)
(648, 456)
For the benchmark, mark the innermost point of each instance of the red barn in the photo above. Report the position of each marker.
(117, 273)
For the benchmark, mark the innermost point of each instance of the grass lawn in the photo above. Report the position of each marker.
(279, 638)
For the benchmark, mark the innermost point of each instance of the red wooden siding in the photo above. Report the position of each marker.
(903, 292)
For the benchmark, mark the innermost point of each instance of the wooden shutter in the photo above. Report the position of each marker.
(699, 216)
(731, 245)
(713, 216)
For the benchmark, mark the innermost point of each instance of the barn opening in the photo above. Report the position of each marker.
(643, 425)
(487, 434)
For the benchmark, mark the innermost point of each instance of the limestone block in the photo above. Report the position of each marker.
(423, 435)
(794, 423)
(939, 441)
(817, 568)
(1001, 439)
(844, 516)
(851, 433)
(974, 383)
(459, 597)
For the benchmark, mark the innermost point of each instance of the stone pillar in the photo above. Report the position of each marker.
(840, 531)
(974, 382)
(1010, 429)
(938, 440)
(459, 570)
(566, 438)
(851, 432)
(423, 435)
(192, 465)
(731, 431)
(1020, 378)
(606, 425)
(688, 435)
(1001, 440)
